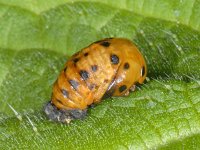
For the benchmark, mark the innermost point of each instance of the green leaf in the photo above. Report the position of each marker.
(37, 37)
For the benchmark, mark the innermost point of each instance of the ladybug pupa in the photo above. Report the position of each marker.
(109, 67)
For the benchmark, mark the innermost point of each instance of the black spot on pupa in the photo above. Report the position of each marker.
(84, 74)
(86, 54)
(114, 59)
(143, 71)
(75, 60)
(65, 69)
(126, 66)
(65, 93)
(74, 84)
(103, 40)
(122, 88)
(94, 68)
(105, 44)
